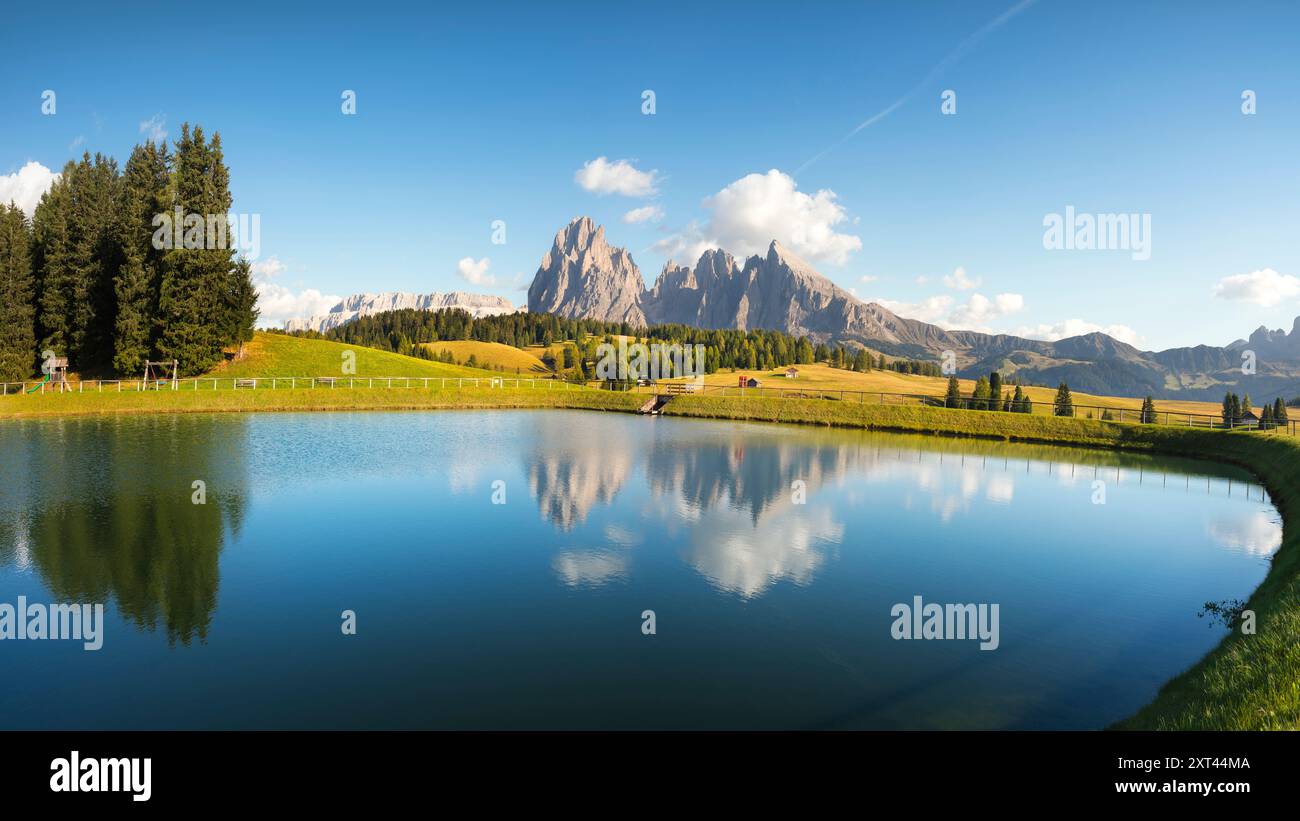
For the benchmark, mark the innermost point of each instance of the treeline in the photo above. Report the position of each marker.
(94, 278)
(988, 394)
(406, 331)
(1236, 407)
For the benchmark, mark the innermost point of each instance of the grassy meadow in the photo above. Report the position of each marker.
(281, 355)
(822, 377)
(493, 355)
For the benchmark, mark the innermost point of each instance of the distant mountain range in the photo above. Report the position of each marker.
(366, 304)
(582, 276)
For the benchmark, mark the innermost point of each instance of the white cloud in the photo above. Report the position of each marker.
(1077, 327)
(972, 315)
(1265, 288)
(864, 279)
(269, 268)
(600, 176)
(277, 303)
(758, 208)
(960, 282)
(154, 128)
(933, 309)
(647, 213)
(979, 310)
(476, 272)
(26, 185)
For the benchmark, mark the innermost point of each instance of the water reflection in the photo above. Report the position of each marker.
(101, 509)
(110, 517)
(728, 491)
(1257, 534)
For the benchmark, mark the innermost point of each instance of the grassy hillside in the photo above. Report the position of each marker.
(823, 377)
(493, 354)
(281, 355)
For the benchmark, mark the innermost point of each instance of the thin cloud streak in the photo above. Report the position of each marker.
(952, 57)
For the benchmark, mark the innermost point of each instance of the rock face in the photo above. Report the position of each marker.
(1276, 344)
(583, 277)
(365, 304)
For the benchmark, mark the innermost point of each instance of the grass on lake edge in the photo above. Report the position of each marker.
(1246, 682)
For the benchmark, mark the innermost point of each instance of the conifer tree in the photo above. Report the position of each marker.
(52, 259)
(980, 396)
(17, 292)
(1149, 411)
(76, 257)
(196, 270)
(995, 390)
(953, 399)
(1063, 404)
(144, 195)
(241, 305)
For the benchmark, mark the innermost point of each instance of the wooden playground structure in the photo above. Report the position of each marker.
(156, 372)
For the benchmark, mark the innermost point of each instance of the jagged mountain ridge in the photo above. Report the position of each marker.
(366, 304)
(582, 276)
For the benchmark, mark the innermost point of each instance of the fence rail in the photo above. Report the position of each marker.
(206, 383)
(211, 383)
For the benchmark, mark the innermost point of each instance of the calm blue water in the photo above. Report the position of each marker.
(528, 614)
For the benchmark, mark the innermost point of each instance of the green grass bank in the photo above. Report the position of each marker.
(310, 399)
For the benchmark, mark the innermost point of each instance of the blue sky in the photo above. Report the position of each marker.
(475, 114)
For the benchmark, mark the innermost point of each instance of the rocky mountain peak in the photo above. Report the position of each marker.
(583, 276)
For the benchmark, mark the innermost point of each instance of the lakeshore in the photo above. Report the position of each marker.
(1233, 687)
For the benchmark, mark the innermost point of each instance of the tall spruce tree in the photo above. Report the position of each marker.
(241, 305)
(52, 258)
(17, 293)
(144, 195)
(76, 260)
(995, 390)
(980, 396)
(196, 270)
